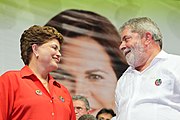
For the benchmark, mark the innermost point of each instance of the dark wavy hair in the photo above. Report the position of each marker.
(74, 23)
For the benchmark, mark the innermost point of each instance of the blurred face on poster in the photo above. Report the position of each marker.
(86, 70)
(91, 61)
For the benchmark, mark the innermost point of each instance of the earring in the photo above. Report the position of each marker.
(37, 56)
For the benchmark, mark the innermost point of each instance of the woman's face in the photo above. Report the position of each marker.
(86, 70)
(48, 55)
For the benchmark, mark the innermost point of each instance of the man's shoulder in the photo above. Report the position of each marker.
(174, 56)
(173, 59)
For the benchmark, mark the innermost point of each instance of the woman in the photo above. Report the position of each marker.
(31, 93)
(91, 62)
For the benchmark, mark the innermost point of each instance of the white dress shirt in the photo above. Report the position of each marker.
(113, 118)
(153, 94)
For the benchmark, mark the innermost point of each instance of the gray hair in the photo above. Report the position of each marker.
(82, 98)
(87, 117)
(141, 25)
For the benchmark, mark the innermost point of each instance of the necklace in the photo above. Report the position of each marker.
(44, 82)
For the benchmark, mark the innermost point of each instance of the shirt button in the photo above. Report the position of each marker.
(52, 114)
(51, 101)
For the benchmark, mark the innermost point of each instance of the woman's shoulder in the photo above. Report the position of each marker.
(10, 73)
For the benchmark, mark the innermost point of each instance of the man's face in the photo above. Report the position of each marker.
(80, 108)
(132, 46)
(105, 116)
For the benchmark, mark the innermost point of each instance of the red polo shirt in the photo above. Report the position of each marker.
(23, 97)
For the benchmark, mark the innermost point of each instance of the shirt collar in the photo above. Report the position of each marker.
(27, 72)
(162, 55)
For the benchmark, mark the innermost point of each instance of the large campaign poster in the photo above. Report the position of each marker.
(91, 63)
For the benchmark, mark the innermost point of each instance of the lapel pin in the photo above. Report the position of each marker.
(158, 82)
(38, 92)
(61, 98)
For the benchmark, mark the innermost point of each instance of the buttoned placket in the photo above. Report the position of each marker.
(50, 96)
(134, 92)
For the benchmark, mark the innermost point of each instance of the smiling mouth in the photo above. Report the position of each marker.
(56, 59)
(126, 52)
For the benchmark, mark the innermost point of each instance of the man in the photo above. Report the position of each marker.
(81, 105)
(149, 88)
(105, 114)
(87, 117)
